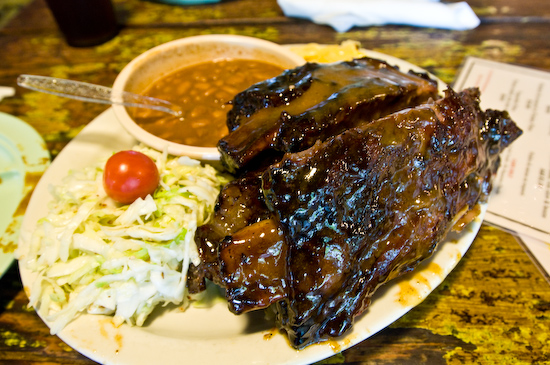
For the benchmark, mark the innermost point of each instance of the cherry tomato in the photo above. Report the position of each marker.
(129, 175)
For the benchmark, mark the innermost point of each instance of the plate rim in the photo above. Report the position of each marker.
(77, 333)
(25, 139)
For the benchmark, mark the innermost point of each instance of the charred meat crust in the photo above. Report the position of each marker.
(325, 227)
(239, 204)
(291, 112)
(375, 201)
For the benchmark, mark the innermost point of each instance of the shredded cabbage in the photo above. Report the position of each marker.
(94, 255)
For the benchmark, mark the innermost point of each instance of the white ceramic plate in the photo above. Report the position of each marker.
(23, 158)
(214, 335)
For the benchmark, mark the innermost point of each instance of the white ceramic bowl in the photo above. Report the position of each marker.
(169, 57)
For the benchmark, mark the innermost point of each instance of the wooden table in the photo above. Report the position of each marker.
(493, 308)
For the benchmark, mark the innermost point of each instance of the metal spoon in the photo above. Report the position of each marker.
(95, 93)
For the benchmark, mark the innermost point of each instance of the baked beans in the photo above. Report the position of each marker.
(203, 91)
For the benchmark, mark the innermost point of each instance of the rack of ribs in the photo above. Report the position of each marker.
(290, 112)
(316, 233)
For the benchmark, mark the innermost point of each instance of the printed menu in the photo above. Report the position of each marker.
(520, 200)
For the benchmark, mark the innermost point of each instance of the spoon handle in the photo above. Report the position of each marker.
(94, 93)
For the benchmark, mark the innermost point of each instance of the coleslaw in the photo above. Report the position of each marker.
(92, 254)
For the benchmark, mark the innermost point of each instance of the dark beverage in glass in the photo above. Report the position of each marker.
(85, 23)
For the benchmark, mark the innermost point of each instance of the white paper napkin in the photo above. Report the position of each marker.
(342, 15)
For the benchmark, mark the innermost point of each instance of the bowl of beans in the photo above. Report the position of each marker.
(201, 74)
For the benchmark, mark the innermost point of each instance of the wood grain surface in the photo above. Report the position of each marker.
(494, 308)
